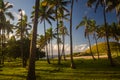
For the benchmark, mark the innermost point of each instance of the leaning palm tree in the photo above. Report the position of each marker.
(103, 3)
(31, 67)
(86, 23)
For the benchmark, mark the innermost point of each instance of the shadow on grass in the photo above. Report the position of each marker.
(13, 75)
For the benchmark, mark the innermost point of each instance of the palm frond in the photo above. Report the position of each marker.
(82, 23)
(9, 14)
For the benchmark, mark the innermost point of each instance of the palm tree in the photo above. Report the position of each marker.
(86, 23)
(59, 6)
(46, 15)
(9, 28)
(4, 11)
(31, 67)
(114, 33)
(50, 37)
(71, 41)
(103, 4)
(94, 28)
(22, 31)
(114, 5)
(63, 31)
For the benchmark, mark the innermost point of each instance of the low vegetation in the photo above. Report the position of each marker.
(86, 69)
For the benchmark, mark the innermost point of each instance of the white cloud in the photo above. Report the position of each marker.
(76, 48)
(17, 14)
(79, 48)
(23, 12)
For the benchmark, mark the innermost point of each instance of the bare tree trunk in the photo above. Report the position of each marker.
(90, 48)
(0, 45)
(59, 57)
(3, 45)
(46, 43)
(71, 42)
(31, 67)
(21, 43)
(63, 49)
(51, 48)
(96, 46)
(107, 37)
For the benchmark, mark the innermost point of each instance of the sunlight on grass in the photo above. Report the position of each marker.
(85, 70)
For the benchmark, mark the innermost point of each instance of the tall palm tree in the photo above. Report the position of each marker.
(22, 27)
(50, 37)
(60, 7)
(94, 28)
(63, 31)
(86, 23)
(46, 13)
(4, 11)
(103, 4)
(22, 31)
(71, 41)
(31, 68)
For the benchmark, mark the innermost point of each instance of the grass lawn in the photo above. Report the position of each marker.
(86, 69)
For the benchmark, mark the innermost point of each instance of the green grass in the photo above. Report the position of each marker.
(85, 70)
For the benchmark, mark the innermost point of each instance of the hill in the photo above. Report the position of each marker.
(114, 46)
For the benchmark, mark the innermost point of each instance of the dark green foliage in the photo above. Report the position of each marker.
(39, 54)
(12, 49)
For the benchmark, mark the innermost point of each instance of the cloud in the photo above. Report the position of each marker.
(76, 48)
(79, 48)
(17, 14)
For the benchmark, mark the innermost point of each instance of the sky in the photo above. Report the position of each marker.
(80, 10)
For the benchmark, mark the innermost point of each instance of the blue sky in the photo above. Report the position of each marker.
(80, 10)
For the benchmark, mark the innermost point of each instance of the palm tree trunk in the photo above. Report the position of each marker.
(51, 48)
(0, 46)
(107, 38)
(63, 49)
(96, 45)
(3, 45)
(117, 41)
(21, 45)
(46, 43)
(31, 67)
(59, 57)
(71, 42)
(90, 48)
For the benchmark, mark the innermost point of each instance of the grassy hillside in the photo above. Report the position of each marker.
(102, 48)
